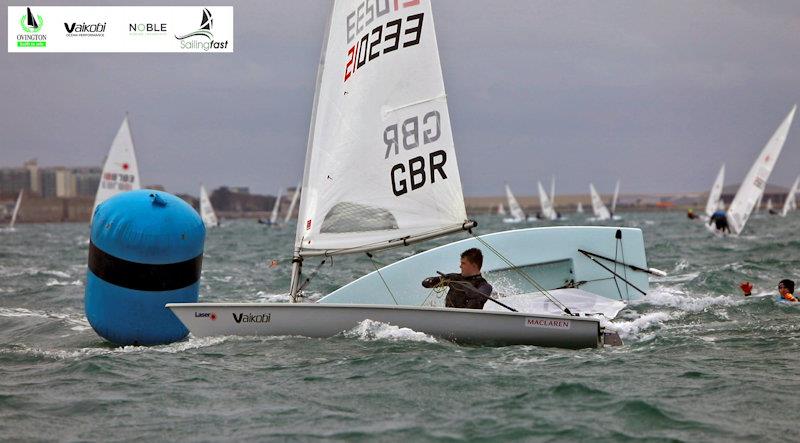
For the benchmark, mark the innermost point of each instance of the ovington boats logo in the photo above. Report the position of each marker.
(31, 24)
(188, 41)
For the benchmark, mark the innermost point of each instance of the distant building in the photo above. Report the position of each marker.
(60, 181)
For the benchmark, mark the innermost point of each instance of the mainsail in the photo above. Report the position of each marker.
(380, 163)
(553, 191)
(293, 203)
(501, 210)
(716, 192)
(206, 210)
(579, 209)
(548, 212)
(120, 171)
(790, 198)
(599, 208)
(275, 208)
(16, 210)
(752, 187)
(513, 206)
(614, 199)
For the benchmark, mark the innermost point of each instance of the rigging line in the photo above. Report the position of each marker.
(524, 275)
(625, 269)
(311, 276)
(381, 276)
(616, 250)
(633, 267)
(612, 272)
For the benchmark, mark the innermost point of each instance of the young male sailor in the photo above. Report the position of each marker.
(465, 288)
(785, 289)
(720, 221)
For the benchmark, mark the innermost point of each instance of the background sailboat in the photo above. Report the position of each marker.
(598, 207)
(292, 205)
(16, 210)
(517, 214)
(791, 198)
(501, 210)
(120, 171)
(546, 207)
(614, 200)
(206, 210)
(579, 208)
(754, 183)
(715, 195)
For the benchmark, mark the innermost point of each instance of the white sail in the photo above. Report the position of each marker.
(547, 211)
(120, 171)
(752, 187)
(380, 162)
(758, 204)
(501, 210)
(790, 198)
(769, 205)
(206, 210)
(599, 208)
(513, 206)
(553, 191)
(579, 209)
(16, 210)
(275, 208)
(716, 192)
(614, 199)
(292, 204)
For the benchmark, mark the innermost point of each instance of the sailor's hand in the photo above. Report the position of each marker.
(430, 282)
(746, 287)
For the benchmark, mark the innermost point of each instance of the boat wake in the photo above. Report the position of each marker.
(369, 330)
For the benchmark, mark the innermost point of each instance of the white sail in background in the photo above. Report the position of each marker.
(275, 208)
(758, 204)
(614, 199)
(16, 210)
(513, 206)
(769, 205)
(292, 204)
(206, 210)
(791, 202)
(579, 209)
(599, 208)
(380, 163)
(501, 210)
(755, 181)
(714, 196)
(120, 171)
(553, 192)
(547, 211)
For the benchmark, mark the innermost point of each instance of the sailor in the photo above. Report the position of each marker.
(720, 219)
(785, 289)
(468, 289)
(690, 214)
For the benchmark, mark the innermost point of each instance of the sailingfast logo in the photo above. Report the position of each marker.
(31, 25)
(202, 38)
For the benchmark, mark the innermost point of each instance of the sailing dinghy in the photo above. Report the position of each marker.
(120, 171)
(579, 208)
(790, 201)
(372, 199)
(293, 204)
(754, 183)
(517, 214)
(614, 199)
(547, 211)
(715, 195)
(206, 210)
(15, 212)
(599, 208)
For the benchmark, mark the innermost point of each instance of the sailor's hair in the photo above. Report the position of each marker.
(474, 255)
(788, 284)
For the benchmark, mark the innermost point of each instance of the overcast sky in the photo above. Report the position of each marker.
(658, 93)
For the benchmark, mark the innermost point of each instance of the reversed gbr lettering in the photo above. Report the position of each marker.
(382, 40)
(413, 133)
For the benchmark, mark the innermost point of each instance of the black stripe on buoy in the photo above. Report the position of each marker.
(143, 277)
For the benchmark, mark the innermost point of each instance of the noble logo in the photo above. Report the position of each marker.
(31, 24)
(206, 23)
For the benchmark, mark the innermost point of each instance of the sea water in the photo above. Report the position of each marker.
(700, 361)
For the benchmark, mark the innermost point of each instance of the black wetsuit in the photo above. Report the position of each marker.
(465, 292)
(720, 222)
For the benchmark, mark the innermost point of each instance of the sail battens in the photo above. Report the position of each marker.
(120, 171)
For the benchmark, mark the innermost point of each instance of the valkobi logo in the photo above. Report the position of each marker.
(75, 29)
(192, 40)
(31, 24)
(251, 318)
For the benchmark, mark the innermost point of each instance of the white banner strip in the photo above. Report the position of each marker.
(120, 29)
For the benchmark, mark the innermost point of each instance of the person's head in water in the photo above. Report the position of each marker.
(786, 287)
(471, 262)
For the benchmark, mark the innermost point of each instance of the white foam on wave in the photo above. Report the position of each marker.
(675, 299)
(370, 330)
(54, 282)
(263, 297)
(633, 328)
(78, 321)
(72, 354)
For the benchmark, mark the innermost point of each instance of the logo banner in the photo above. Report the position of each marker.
(203, 29)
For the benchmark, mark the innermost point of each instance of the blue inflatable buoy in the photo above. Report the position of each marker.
(146, 250)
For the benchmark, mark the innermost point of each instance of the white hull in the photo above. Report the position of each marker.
(327, 320)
